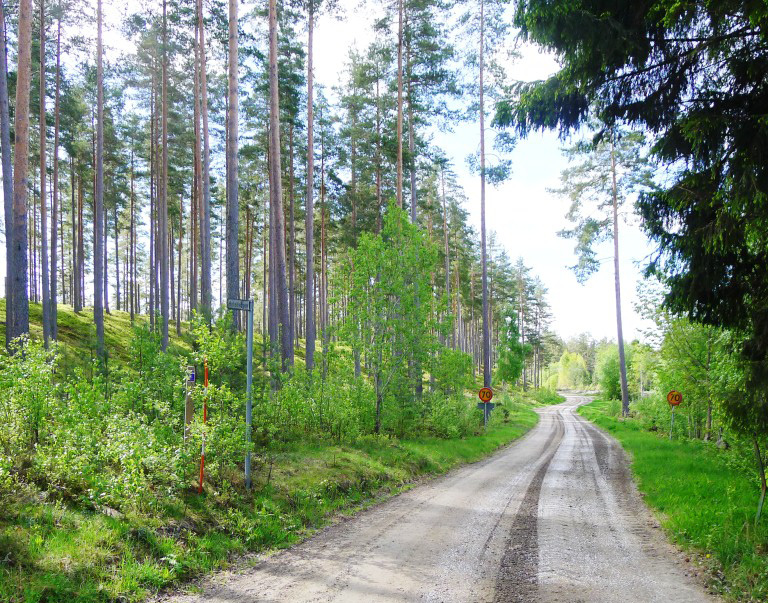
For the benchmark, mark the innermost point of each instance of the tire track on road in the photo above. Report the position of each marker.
(517, 578)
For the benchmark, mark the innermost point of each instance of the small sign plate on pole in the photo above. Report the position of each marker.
(485, 394)
(239, 304)
(674, 398)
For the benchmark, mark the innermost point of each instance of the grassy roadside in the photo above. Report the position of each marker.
(705, 505)
(56, 552)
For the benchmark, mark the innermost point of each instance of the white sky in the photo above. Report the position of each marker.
(525, 217)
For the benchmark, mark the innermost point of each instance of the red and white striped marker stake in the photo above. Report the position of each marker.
(205, 418)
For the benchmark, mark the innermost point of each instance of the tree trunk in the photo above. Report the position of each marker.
(98, 208)
(233, 276)
(196, 205)
(379, 202)
(43, 204)
(55, 210)
(708, 435)
(309, 219)
(486, 319)
(75, 240)
(132, 244)
(445, 241)
(276, 195)
(105, 224)
(411, 140)
(5, 149)
(622, 360)
(205, 209)
(761, 473)
(399, 185)
(152, 202)
(178, 276)
(163, 217)
(292, 237)
(117, 258)
(19, 323)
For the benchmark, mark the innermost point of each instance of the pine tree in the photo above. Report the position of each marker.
(19, 319)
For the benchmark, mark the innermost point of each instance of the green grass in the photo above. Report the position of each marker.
(51, 552)
(705, 505)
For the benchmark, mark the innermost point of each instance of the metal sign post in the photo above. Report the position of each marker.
(189, 405)
(485, 395)
(674, 398)
(247, 306)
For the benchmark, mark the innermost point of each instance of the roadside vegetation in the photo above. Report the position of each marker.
(99, 487)
(704, 496)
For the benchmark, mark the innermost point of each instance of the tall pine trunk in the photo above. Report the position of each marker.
(276, 195)
(205, 206)
(486, 322)
(54, 320)
(19, 323)
(117, 257)
(163, 214)
(132, 245)
(292, 235)
(445, 242)
(619, 331)
(411, 138)
(98, 209)
(5, 150)
(233, 267)
(399, 185)
(152, 201)
(309, 219)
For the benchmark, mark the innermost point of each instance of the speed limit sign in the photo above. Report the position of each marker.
(485, 394)
(674, 397)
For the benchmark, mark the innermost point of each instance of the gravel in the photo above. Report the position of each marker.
(554, 517)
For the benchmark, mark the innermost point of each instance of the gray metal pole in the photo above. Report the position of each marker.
(672, 424)
(249, 399)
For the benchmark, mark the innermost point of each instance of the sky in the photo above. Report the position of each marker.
(522, 213)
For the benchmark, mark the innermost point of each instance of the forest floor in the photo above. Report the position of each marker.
(56, 551)
(77, 334)
(705, 503)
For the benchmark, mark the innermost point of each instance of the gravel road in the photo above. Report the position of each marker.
(554, 517)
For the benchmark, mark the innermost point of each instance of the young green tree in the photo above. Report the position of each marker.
(387, 323)
(512, 351)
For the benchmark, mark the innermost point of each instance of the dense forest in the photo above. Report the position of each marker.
(165, 157)
(204, 165)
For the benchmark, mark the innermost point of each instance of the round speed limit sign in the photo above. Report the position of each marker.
(674, 397)
(485, 394)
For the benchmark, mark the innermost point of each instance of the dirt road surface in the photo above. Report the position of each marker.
(553, 518)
